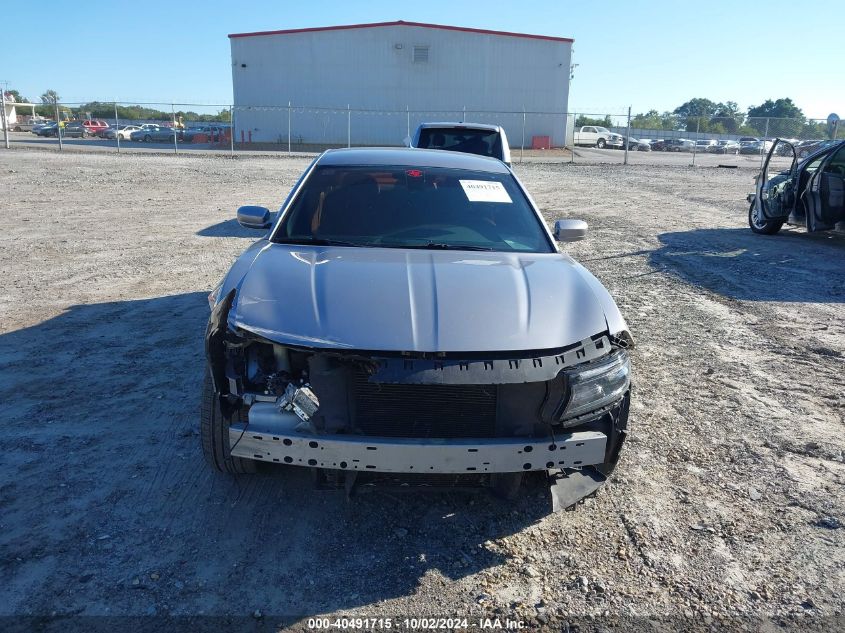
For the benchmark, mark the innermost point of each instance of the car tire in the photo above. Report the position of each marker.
(760, 225)
(148, 138)
(17, 128)
(214, 434)
(600, 143)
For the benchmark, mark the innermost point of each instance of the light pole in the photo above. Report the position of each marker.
(5, 120)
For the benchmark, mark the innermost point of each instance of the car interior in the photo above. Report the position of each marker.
(406, 206)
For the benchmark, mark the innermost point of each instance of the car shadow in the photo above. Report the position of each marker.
(229, 228)
(790, 266)
(104, 487)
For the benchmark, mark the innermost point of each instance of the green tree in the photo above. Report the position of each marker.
(780, 109)
(780, 118)
(585, 120)
(648, 121)
(727, 117)
(697, 107)
(653, 120)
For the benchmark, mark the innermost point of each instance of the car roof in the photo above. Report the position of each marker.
(412, 157)
(474, 126)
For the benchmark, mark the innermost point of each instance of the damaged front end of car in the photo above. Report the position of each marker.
(488, 418)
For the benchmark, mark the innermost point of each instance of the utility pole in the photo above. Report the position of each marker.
(5, 120)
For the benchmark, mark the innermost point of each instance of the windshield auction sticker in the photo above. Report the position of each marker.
(485, 191)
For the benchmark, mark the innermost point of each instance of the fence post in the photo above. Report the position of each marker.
(116, 128)
(58, 127)
(232, 131)
(522, 148)
(348, 126)
(5, 121)
(464, 117)
(173, 122)
(408, 134)
(627, 135)
(763, 147)
(695, 143)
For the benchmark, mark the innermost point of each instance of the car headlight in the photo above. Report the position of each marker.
(598, 385)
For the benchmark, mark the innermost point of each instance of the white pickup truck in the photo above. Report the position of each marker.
(25, 124)
(596, 136)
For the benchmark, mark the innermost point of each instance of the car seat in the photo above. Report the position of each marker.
(349, 210)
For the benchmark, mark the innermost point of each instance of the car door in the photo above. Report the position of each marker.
(775, 190)
(824, 196)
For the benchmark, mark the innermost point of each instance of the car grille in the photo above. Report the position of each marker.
(448, 411)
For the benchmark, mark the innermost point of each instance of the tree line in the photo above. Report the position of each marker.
(50, 99)
(780, 117)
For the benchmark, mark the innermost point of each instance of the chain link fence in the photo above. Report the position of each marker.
(575, 137)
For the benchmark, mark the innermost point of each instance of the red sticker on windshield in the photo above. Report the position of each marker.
(414, 173)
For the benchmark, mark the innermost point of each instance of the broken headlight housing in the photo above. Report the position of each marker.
(597, 385)
(215, 294)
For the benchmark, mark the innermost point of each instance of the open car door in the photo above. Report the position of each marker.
(824, 196)
(775, 197)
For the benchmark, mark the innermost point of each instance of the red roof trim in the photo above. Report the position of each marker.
(403, 23)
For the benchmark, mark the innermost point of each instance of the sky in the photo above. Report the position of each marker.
(646, 55)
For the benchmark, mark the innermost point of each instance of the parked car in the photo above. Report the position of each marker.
(751, 147)
(49, 129)
(678, 145)
(704, 145)
(724, 147)
(658, 145)
(592, 135)
(93, 126)
(472, 138)
(154, 134)
(213, 133)
(473, 345)
(634, 144)
(805, 148)
(41, 125)
(743, 139)
(810, 193)
(74, 129)
(122, 132)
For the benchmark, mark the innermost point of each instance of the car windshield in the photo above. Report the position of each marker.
(483, 142)
(413, 207)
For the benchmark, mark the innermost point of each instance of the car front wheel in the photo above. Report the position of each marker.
(214, 433)
(761, 225)
(600, 143)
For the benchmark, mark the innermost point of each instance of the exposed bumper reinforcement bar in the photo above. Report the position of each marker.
(272, 436)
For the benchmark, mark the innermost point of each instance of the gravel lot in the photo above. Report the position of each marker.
(727, 507)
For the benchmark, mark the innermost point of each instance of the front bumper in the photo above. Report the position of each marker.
(276, 436)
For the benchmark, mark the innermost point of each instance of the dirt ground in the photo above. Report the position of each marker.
(727, 508)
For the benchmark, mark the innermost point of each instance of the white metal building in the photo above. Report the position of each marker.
(370, 84)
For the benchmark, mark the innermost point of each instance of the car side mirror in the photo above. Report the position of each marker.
(570, 230)
(254, 217)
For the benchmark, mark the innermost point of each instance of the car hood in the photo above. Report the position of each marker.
(382, 299)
